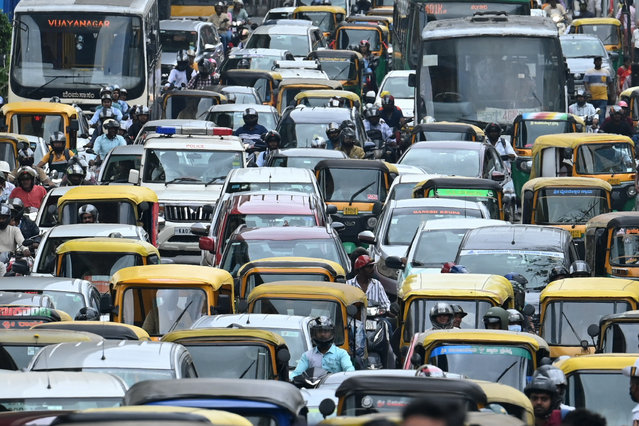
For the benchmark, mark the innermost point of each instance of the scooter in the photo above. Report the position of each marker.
(378, 335)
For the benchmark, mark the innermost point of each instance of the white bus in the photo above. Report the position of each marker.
(72, 48)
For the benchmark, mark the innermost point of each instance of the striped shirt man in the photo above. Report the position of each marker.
(374, 292)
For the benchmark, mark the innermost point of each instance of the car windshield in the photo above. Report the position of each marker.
(534, 265)
(298, 45)
(621, 337)
(530, 130)
(305, 187)
(405, 221)
(240, 361)
(580, 48)
(234, 120)
(444, 161)
(605, 158)
(299, 162)
(304, 307)
(436, 247)
(607, 33)
(365, 185)
(258, 278)
(508, 365)
(266, 221)
(323, 20)
(338, 68)
(264, 63)
(398, 86)
(238, 253)
(624, 247)
(301, 135)
(173, 41)
(585, 391)
(133, 375)
(402, 191)
(295, 341)
(118, 167)
(189, 167)
(349, 37)
(161, 310)
(66, 301)
(566, 323)
(22, 354)
(188, 107)
(487, 197)
(96, 267)
(52, 403)
(417, 317)
(569, 205)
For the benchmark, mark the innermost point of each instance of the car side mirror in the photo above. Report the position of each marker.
(331, 209)
(367, 237)
(394, 262)
(529, 310)
(416, 359)
(106, 303)
(223, 304)
(326, 407)
(497, 176)
(338, 226)
(207, 244)
(20, 267)
(200, 229)
(412, 80)
(134, 176)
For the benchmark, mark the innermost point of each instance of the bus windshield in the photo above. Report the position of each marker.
(61, 53)
(490, 78)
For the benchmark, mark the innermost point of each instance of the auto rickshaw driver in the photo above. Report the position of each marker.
(88, 214)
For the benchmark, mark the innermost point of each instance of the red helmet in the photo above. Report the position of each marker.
(362, 261)
(364, 43)
(446, 267)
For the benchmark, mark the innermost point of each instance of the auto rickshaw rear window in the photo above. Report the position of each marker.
(532, 129)
(437, 246)
(8, 154)
(339, 68)
(624, 247)
(566, 323)
(606, 158)
(606, 33)
(39, 125)
(117, 170)
(232, 361)
(446, 161)
(487, 197)
(96, 267)
(569, 205)
(349, 37)
(585, 390)
(417, 319)
(21, 354)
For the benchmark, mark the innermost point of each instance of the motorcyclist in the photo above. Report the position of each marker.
(5, 186)
(272, 140)
(206, 75)
(332, 136)
(616, 123)
(392, 114)
(559, 379)
(243, 64)
(581, 107)
(545, 400)
(87, 213)
(369, 99)
(11, 238)
(180, 75)
(26, 159)
(459, 315)
(493, 134)
(442, 316)
(106, 103)
(374, 121)
(121, 94)
(375, 293)
(365, 51)
(75, 175)
(27, 190)
(553, 8)
(58, 155)
(27, 226)
(142, 118)
(108, 140)
(324, 354)
(515, 320)
(222, 20)
(239, 14)
(496, 318)
(251, 132)
(347, 144)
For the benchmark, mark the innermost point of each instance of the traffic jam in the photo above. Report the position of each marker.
(335, 212)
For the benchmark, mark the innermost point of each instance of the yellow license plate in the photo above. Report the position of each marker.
(614, 181)
(575, 233)
(350, 211)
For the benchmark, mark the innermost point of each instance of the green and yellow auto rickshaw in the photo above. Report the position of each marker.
(350, 34)
(612, 245)
(345, 66)
(608, 30)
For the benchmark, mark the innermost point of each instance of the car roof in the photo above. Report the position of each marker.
(399, 73)
(79, 230)
(434, 202)
(283, 233)
(516, 237)
(468, 223)
(305, 114)
(271, 174)
(309, 152)
(238, 89)
(128, 150)
(262, 51)
(412, 177)
(181, 24)
(272, 202)
(140, 354)
(284, 28)
(465, 145)
(196, 124)
(578, 36)
(205, 143)
(241, 107)
(60, 384)
(43, 283)
(253, 321)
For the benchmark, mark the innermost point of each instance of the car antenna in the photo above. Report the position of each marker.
(46, 366)
(248, 319)
(513, 241)
(103, 356)
(269, 181)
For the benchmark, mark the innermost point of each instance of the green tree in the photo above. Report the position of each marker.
(5, 44)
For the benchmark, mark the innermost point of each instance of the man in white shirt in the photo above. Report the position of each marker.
(581, 107)
(493, 134)
(633, 372)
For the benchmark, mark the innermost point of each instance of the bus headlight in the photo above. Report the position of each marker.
(371, 222)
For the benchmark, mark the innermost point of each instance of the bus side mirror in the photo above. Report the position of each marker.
(223, 304)
(411, 80)
(73, 126)
(593, 330)
(106, 303)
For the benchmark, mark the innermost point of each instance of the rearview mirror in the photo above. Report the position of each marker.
(412, 80)
(529, 310)
(367, 237)
(497, 176)
(394, 262)
(331, 209)
(73, 126)
(242, 306)
(223, 304)
(200, 229)
(206, 244)
(106, 303)
(134, 176)
(283, 356)
(338, 226)
(369, 146)
(351, 310)
(593, 330)
(326, 407)
(416, 359)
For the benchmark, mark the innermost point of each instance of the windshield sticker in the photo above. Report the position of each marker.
(526, 252)
(480, 350)
(465, 192)
(285, 333)
(573, 191)
(449, 212)
(24, 311)
(373, 197)
(546, 123)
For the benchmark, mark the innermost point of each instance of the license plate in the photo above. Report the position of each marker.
(575, 233)
(182, 231)
(371, 325)
(350, 211)
(614, 181)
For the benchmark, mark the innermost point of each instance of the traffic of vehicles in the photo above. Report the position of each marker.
(288, 213)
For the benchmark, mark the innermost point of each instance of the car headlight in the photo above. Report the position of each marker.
(371, 222)
(385, 270)
(577, 76)
(631, 191)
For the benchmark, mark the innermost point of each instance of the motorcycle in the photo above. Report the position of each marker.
(378, 336)
(589, 121)
(383, 149)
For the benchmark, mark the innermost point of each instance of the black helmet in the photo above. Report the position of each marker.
(347, 133)
(557, 272)
(496, 315)
(388, 100)
(372, 112)
(250, 116)
(555, 375)
(492, 127)
(205, 66)
(272, 135)
(57, 137)
(88, 209)
(17, 207)
(243, 64)
(347, 123)
(106, 90)
(87, 314)
(543, 384)
(458, 310)
(106, 96)
(25, 156)
(442, 308)
(318, 325)
(579, 268)
(181, 56)
(75, 174)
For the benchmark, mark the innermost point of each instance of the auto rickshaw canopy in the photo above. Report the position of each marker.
(596, 362)
(161, 275)
(357, 164)
(203, 335)
(573, 140)
(428, 339)
(158, 413)
(497, 393)
(41, 335)
(102, 329)
(344, 293)
(374, 19)
(378, 46)
(327, 94)
(591, 288)
(293, 264)
(566, 182)
(467, 286)
(423, 188)
(108, 245)
(576, 27)
(134, 194)
(242, 77)
(614, 220)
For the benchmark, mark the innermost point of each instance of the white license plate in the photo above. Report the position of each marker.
(182, 231)
(371, 325)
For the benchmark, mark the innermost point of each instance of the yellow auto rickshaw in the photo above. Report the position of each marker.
(616, 333)
(326, 18)
(133, 205)
(322, 97)
(291, 87)
(485, 191)
(446, 131)
(345, 66)
(475, 293)
(608, 30)
(473, 352)
(10, 143)
(97, 259)
(597, 382)
(569, 306)
(565, 202)
(358, 189)
(236, 353)
(103, 329)
(599, 155)
(514, 401)
(271, 269)
(145, 414)
(344, 304)
(266, 83)
(18, 316)
(612, 245)
(189, 104)
(161, 298)
(349, 34)
(631, 96)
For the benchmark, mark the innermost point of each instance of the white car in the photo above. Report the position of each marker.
(396, 83)
(300, 40)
